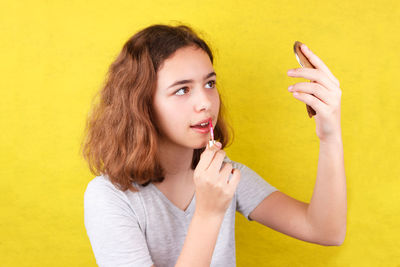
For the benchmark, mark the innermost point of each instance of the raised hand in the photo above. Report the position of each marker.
(323, 94)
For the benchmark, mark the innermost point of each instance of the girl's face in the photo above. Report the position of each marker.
(185, 96)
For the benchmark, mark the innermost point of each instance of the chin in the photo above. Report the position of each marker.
(199, 145)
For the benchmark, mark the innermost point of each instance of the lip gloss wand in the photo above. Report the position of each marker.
(211, 142)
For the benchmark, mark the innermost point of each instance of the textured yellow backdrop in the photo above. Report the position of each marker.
(54, 56)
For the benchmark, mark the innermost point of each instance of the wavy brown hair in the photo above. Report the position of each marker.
(120, 138)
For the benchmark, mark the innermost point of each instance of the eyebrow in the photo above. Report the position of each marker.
(190, 81)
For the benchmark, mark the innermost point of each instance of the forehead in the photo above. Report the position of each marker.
(186, 63)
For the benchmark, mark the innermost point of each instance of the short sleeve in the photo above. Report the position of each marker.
(251, 190)
(112, 227)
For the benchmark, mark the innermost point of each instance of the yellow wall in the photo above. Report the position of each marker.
(54, 55)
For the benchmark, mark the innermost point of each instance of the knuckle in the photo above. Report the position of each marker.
(218, 186)
(229, 165)
(317, 86)
(314, 101)
(209, 182)
(312, 98)
(227, 168)
(227, 193)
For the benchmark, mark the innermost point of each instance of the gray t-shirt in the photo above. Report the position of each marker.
(144, 228)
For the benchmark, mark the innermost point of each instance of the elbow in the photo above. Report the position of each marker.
(337, 243)
(333, 238)
(332, 242)
(338, 239)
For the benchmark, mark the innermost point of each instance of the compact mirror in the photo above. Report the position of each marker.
(303, 61)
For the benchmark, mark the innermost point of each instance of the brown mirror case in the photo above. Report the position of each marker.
(302, 59)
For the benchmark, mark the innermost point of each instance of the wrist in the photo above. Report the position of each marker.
(332, 139)
(211, 216)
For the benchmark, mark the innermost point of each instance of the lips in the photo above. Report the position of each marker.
(203, 121)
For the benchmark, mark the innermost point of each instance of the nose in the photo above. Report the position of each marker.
(203, 99)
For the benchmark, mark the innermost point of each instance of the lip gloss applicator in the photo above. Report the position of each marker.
(211, 142)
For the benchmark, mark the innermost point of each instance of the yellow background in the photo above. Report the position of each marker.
(54, 56)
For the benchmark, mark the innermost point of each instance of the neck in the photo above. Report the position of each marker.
(176, 162)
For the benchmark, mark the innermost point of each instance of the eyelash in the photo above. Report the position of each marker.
(212, 81)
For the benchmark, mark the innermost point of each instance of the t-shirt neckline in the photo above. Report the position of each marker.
(174, 208)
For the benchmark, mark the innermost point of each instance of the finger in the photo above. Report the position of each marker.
(318, 63)
(313, 75)
(225, 172)
(207, 156)
(311, 100)
(234, 181)
(216, 162)
(312, 88)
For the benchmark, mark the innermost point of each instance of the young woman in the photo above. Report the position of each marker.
(162, 196)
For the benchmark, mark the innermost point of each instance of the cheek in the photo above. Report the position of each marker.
(216, 101)
(170, 116)
(161, 112)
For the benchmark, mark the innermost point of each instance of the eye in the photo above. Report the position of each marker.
(180, 90)
(212, 83)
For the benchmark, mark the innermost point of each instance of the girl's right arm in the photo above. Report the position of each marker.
(200, 241)
(213, 196)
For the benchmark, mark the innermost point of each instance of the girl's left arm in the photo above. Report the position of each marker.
(327, 210)
(323, 220)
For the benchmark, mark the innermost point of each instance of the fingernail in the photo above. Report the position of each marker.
(290, 87)
(290, 72)
(218, 144)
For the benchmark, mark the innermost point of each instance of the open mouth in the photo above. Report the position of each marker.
(201, 126)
